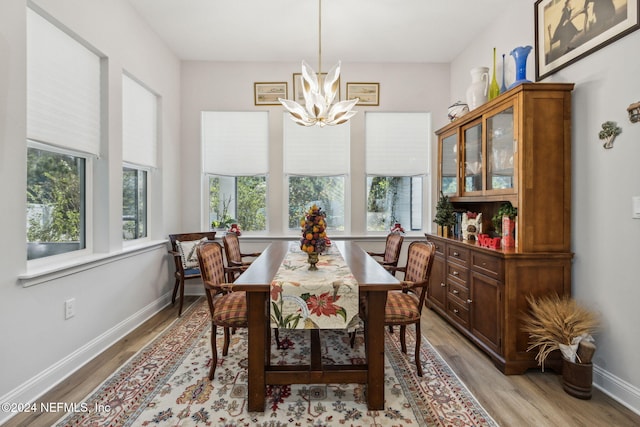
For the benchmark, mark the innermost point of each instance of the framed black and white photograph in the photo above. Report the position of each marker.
(267, 93)
(367, 93)
(568, 30)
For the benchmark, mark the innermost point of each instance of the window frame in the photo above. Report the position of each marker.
(146, 172)
(207, 202)
(87, 204)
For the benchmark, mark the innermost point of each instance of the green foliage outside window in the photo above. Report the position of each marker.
(53, 196)
(327, 192)
(240, 200)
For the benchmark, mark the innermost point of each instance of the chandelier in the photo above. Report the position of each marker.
(319, 108)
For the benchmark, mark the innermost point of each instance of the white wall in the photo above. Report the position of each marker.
(229, 86)
(38, 347)
(604, 237)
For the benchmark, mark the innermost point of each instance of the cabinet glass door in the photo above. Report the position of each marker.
(449, 162)
(473, 158)
(500, 151)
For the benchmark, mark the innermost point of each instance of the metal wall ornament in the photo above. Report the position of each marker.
(634, 112)
(608, 133)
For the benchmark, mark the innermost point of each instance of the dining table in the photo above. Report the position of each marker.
(373, 282)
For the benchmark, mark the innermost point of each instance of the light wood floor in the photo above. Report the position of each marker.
(534, 399)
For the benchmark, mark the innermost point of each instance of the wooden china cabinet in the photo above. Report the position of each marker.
(516, 148)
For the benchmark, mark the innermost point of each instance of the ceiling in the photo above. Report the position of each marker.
(287, 30)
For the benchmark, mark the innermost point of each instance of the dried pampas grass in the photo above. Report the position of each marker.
(554, 320)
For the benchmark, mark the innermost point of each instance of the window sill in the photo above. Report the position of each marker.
(36, 276)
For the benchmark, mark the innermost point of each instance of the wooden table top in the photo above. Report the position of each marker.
(367, 272)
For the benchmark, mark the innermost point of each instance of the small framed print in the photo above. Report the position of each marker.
(298, 96)
(368, 93)
(267, 93)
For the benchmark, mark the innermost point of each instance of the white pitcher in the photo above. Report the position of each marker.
(477, 91)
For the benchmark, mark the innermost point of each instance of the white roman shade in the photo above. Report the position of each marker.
(397, 144)
(63, 88)
(235, 143)
(139, 123)
(314, 150)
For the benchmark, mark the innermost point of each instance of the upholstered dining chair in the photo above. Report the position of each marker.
(404, 307)
(389, 258)
(236, 263)
(183, 250)
(228, 309)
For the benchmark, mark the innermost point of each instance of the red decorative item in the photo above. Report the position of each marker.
(489, 242)
(397, 228)
(508, 232)
(235, 228)
(472, 215)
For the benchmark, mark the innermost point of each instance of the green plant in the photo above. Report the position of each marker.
(506, 209)
(445, 216)
(224, 220)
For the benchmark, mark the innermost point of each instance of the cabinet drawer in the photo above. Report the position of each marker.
(458, 273)
(458, 313)
(438, 244)
(458, 255)
(486, 264)
(458, 291)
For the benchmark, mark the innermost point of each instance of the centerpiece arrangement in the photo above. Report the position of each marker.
(314, 237)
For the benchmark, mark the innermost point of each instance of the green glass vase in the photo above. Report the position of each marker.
(494, 89)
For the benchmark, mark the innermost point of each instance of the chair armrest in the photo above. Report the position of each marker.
(253, 254)
(407, 285)
(177, 258)
(393, 269)
(236, 269)
(375, 254)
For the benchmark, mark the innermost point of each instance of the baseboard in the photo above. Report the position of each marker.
(35, 387)
(619, 390)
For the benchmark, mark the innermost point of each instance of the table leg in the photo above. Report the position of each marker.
(375, 349)
(258, 348)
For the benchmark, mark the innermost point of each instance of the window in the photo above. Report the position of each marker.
(134, 203)
(55, 203)
(235, 164)
(316, 165)
(394, 199)
(326, 192)
(63, 135)
(139, 142)
(397, 163)
(238, 200)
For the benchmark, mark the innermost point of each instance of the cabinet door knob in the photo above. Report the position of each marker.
(469, 301)
(442, 284)
(455, 273)
(455, 310)
(455, 291)
(456, 254)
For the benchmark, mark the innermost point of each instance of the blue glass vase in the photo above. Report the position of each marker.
(520, 55)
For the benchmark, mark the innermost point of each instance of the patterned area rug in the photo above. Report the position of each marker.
(166, 384)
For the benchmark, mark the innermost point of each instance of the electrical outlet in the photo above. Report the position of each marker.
(69, 308)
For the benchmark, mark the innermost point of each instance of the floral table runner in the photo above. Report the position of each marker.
(323, 299)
